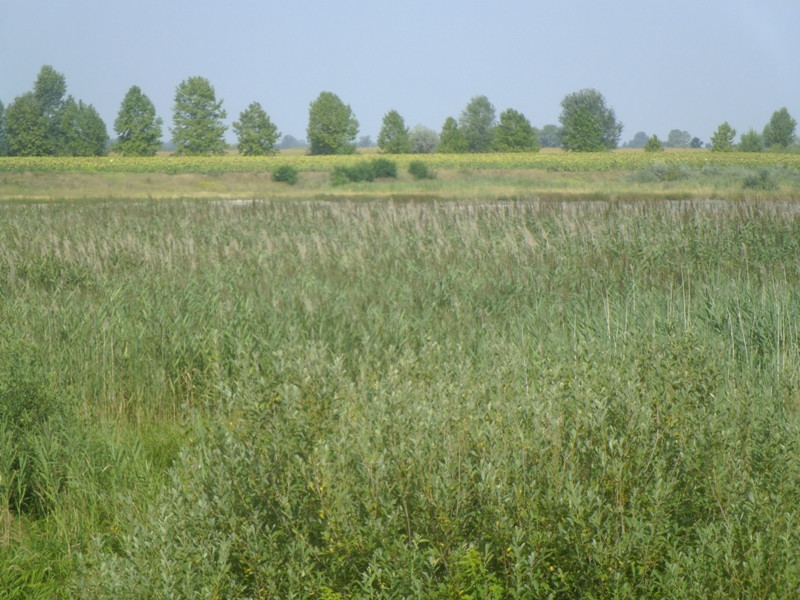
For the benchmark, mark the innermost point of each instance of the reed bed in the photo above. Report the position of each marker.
(318, 399)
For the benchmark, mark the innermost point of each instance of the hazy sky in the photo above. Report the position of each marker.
(677, 64)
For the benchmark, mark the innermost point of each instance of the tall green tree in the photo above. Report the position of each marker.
(452, 140)
(751, 141)
(83, 131)
(722, 140)
(3, 137)
(332, 126)
(394, 136)
(137, 126)
(50, 90)
(257, 134)
(780, 131)
(588, 125)
(514, 133)
(198, 126)
(678, 139)
(477, 123)
(27, 128)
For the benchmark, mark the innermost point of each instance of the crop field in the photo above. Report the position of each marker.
(507, 382)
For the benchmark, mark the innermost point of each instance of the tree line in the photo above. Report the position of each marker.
(45, 121)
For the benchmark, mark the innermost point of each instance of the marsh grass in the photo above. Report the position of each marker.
(383, 399)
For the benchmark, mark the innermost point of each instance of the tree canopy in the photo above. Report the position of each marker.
(751, 141)
(394, 137)
(42, 122)
(3, 138)
(84, 133)
(423, 140)
(722, 140)
(588, 125)
(198, 126)
(137, 127)
(257, 134)
(27, 128)
(452, 140)
(514, 133)
(477, 123)
(780, 131)
(678, 139)
(332, 127)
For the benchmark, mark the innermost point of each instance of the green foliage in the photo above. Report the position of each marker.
(394, 137)
(137, 126)
(653, 144)
(419, 170)
(588, 124)
(477, 124)
(514, 133)
(452, 140)
(332, 127)
(27, 127)
(401, 399)
(84, 132)
(696, 143)
(722, 139)
(660, 171)
(30, 414)
(384, 168)
(550, 136)
(285, 173)
(780, 131)
(423, 140)
(762, 180)
(639, 140)
(3, 136)
(678, 139)
(198, 126)
(49, 90)
(364, 170)
(751, 141)
(257, 134)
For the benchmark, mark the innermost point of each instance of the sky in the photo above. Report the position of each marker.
(681, 64)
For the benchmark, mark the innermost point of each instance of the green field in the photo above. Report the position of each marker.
(505, 382)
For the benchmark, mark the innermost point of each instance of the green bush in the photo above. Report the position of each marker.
(286, 174)
(384, 168)
(419, 170)
(359, 172)
(653, 144)
(763, 180)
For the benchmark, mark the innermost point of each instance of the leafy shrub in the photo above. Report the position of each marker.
(384, 168)
(419, 170)
(653, 144)
(660, 171)
(763, 180)
(286, 174)
(364, 171)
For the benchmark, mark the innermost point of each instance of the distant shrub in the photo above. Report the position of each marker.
(285, 174)
(419, 170)
(763, 180)
(383, 167)
(661, 171)
(653, 144)
(360, 171)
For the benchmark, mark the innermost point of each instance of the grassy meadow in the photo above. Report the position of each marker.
(505, 382)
